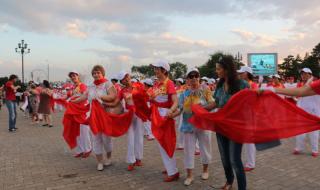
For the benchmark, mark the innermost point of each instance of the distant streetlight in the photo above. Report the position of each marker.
(22, 49)
(238, 57)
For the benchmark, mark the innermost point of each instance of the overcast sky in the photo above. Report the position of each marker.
(76, 34)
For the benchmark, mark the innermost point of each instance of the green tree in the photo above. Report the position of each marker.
(291, 66)
(145, 70)
(177, 70)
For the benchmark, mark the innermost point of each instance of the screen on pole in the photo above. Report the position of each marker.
(263, 63)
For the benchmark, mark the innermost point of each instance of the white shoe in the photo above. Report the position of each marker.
(188, 181)
(100, 167)
(205, 176)
(107, 162)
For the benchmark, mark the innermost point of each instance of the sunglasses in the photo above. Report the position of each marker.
(193, 76)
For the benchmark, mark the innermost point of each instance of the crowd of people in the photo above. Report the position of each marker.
(157, 107)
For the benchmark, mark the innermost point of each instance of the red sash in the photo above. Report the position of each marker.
(74, 115)
(252, 118)
(164, 131)
(110, 124)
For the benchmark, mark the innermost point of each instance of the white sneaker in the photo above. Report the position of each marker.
(100, 167)
(188, 181)
(107, 162)
(205, 176)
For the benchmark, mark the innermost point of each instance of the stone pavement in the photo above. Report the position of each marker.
(37, 158)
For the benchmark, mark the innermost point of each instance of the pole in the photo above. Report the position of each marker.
(48, 73)
(22, 69)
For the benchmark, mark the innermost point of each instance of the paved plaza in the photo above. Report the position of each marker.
(36, 158)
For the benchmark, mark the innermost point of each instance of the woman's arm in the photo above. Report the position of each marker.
(174, 106)
(300, 92)
(112, 95)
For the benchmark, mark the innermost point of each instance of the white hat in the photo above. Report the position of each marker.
(73, 72)
(133, 80)
(211, 81)
(193, 70)
(205, 78)
(163, 64)
(277, 76)
(114, 77)
(245, 69)
(306, 70)
(121, 75)
(148, 82)
(179, 80)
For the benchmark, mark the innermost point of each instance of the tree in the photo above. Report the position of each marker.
(3, 80)
(145, 70)
(291, 66)
(177, 70)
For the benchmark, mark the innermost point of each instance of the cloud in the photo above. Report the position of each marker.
(74, 29)
(255, 38)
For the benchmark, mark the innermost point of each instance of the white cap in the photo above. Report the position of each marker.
(73, 72)
(121, 75)
(211, 81)
(277, 76)
(205, 78)
(244, 69)
(179, 80)
(114, 77)
(163, 64)
(148, 82)
(133, 80)
(193, 70)
(306, 70)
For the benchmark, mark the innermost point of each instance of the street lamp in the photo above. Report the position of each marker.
(238, 57)
(22, 49)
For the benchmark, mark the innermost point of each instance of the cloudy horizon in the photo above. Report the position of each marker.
(77, 34)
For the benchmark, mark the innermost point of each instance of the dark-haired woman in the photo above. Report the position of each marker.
(246, 74)
(230, 151)
(10, 99)
(45, 103)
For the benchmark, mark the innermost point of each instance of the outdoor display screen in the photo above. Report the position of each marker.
(263, 63)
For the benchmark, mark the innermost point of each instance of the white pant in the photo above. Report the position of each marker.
(204, 138)
(169, 163)
(101, 143)
(250, 153)
(147, 126)
(25, 104)
(180, 139)
(314, 141)
(135, 140)
(84, 140)
(58, 107)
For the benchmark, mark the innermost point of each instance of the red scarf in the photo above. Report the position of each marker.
(110, 124)
(252, 118)
(164, 131)
(100, 81)
(74, 115)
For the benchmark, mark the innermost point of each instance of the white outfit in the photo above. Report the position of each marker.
(310, 104)
(250, 153)
(135, 140)
(84, 140)
(204, 139)
(169, 163)
(180, 139)
(100, 141)
(25, 104)
(147, 126)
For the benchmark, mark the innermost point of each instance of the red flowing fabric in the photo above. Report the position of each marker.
(74, 115)
(164, 131)
(140, 98)
(110, 124)
(252, 118)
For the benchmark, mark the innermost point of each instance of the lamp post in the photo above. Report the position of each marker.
(22, 49)
(238, 57)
